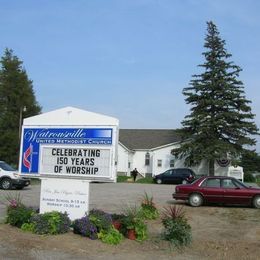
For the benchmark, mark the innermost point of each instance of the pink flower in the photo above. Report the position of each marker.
(13, 203)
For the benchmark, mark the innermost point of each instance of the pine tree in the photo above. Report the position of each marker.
(16, 93)
(220, 123)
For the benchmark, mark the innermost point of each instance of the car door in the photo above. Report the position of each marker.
(212, 190)
(234, 193)
(167, 176)
(176, 176)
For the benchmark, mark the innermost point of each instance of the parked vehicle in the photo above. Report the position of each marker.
(9, 178)
(216, 189)
(175, 176)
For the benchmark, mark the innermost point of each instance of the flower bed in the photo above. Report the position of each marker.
(97, 224)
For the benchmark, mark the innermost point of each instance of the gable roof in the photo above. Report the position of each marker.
(135, 139)
(70, 116)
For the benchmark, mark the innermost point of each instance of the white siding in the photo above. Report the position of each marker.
(137, 160)
(163, 154)
(125, 157)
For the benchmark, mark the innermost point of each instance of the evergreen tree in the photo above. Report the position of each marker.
(16, 93)
(220, 122)
(250, 161)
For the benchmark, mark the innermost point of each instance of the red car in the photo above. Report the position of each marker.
(218, 189)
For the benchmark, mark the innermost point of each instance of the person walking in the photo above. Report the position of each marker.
(134, 174)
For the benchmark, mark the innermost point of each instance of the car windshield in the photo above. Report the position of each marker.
(241, 184)
(6, 167)
(195, 180)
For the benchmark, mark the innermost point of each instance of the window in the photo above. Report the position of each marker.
(168, 173)
(129, 165)
(227, 183)
(171, 163)
(212, 183)
(159, 163)
(147, 159)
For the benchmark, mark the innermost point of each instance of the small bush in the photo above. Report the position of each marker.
(28, 227)
(85, 227)
(148, 208)
(112, 236)
(177, 230)
(53, 223)
(101, 219)
(18, 214)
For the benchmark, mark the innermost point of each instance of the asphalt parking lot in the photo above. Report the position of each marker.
(111, 197)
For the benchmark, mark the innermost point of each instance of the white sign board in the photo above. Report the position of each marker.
(77, 161)
(236, 172)
(70, 195)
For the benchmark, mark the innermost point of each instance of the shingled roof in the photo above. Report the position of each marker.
(147, 138)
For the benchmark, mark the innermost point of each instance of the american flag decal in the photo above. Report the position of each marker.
(27, 158)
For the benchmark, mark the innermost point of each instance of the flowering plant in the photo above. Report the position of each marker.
(17, 212)
(85, 227)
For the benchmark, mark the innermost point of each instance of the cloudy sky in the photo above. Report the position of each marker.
(129, 59)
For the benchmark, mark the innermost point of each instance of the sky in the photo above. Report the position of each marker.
(129, 59)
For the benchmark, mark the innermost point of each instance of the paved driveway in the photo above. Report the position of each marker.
(111, 197)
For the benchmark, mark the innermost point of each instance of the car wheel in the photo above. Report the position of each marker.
(195, 200)
(159, 181)
(256, 202)
(6, 184)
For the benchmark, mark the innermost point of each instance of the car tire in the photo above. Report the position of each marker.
(195, 200)
(256, 202)
(159, 181)
(6, 184)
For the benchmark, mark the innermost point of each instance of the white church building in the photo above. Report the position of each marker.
(149, 150)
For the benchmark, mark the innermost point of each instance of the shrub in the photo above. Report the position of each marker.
(101, 219)
(177, 230)
(148, 208)
(28, 227)
(17, 216)
(17, 213)
(112, 236)
(53, 222)
(85, 227)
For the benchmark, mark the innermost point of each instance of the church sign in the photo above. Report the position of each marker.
(78, 152)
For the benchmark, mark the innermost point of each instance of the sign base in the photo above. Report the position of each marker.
(70, 195)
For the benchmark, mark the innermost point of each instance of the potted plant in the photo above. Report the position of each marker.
(117, 220)
(133, 223)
